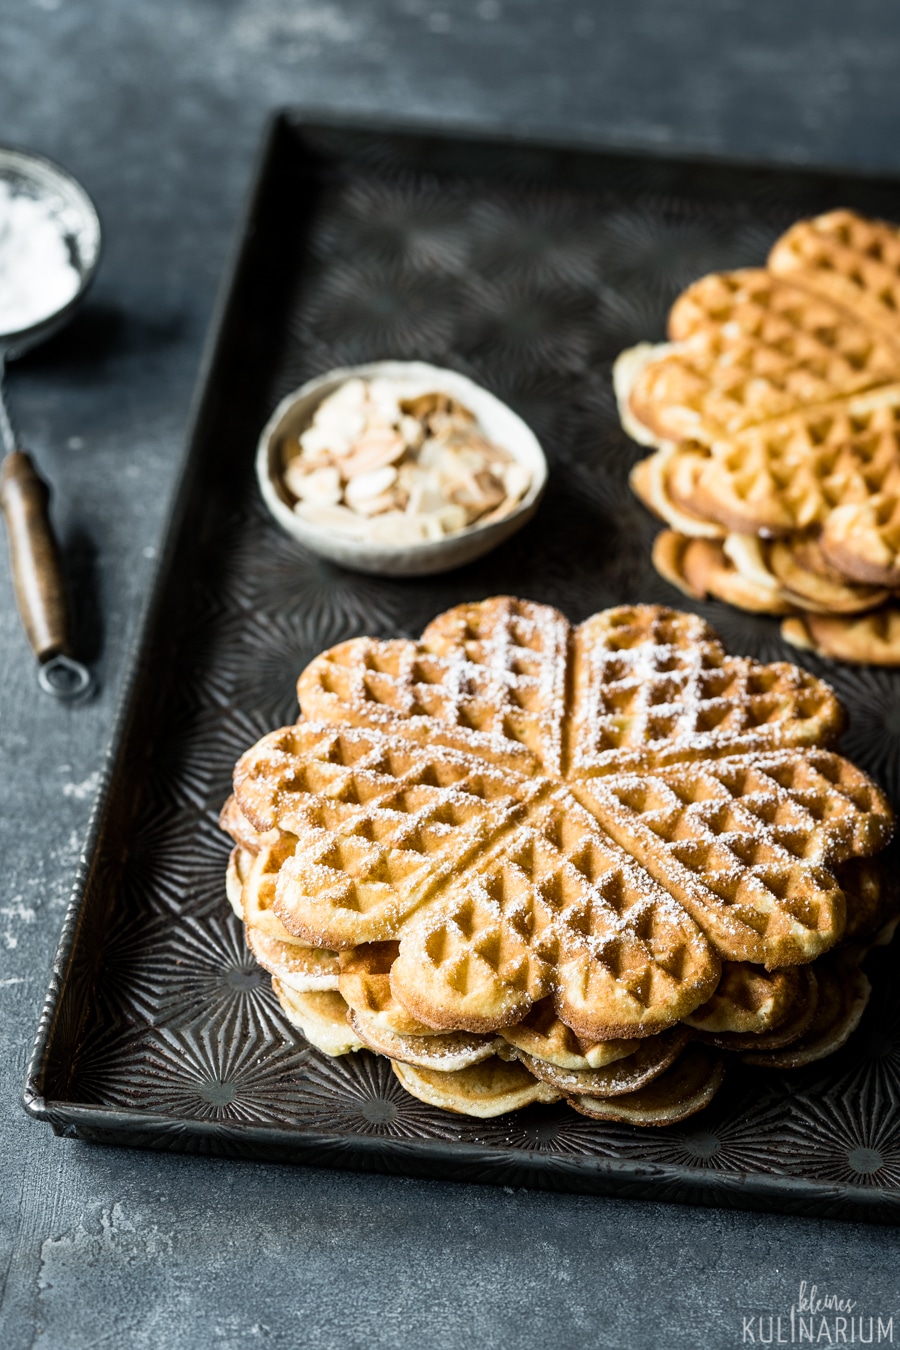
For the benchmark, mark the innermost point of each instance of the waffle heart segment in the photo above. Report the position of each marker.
(750, 347)
(862, 538)
(365, 984)
(655, 686)
(497, 688)
(849, 259)
(790, 474)
(744, 845)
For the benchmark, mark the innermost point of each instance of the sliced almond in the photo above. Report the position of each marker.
(318, 440)
(412, 431)
(516, 480)
(396, 527)
(377, 448)
(321, 485)
(374, 506)
(452, 518)
(426, 496)
(338, 518)
(371, 484)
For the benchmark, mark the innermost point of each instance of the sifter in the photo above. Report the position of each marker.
(49, 250)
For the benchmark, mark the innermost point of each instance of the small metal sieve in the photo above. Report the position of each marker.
(59, 204)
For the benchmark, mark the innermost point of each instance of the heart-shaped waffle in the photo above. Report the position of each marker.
(775, 411)
(594, 815)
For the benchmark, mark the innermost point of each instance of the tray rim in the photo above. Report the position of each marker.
(471, 1161)
(296, 116)
(440, 1158)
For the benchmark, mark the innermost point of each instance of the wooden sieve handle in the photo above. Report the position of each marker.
(37, 577)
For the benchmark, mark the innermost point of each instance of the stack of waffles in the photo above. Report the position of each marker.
(774, 412)
(528, 861)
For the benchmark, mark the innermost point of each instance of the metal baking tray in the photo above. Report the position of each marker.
(529, 267)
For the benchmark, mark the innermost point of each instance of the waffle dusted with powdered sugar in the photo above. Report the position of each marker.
(526, 844)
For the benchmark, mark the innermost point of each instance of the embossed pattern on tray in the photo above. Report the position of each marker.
(528, 271)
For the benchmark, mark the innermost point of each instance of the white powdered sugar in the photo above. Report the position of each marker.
(37, 275)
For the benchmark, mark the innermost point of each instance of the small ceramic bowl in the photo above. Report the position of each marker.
(499, 424)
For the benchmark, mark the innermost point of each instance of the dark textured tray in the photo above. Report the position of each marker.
(529, 268)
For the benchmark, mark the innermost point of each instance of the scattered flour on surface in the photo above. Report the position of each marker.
(86, 788)
(16, 913)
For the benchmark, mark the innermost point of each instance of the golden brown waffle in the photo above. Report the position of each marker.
(321, 1016)
(750, 999)
(862, 538)
(542, 1035)
(742, 844)
(365, 983)
(434, 847)
(484, 1090)
(811, 583)
(751, 347)
(566, 873)
(778, 577)
(258, 892)
(413, 689)
(651, 1059)
(868, 639)
(654, 686)
(650, 480)
(794, 1024)
(444, 1051)
(843, 992)
(296, 966)
(791, 473)
(701, 568)
(852, 261)
(775, 411)
(233, 821)
(685, 1088)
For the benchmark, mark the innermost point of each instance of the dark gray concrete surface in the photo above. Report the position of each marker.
(159, 107)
